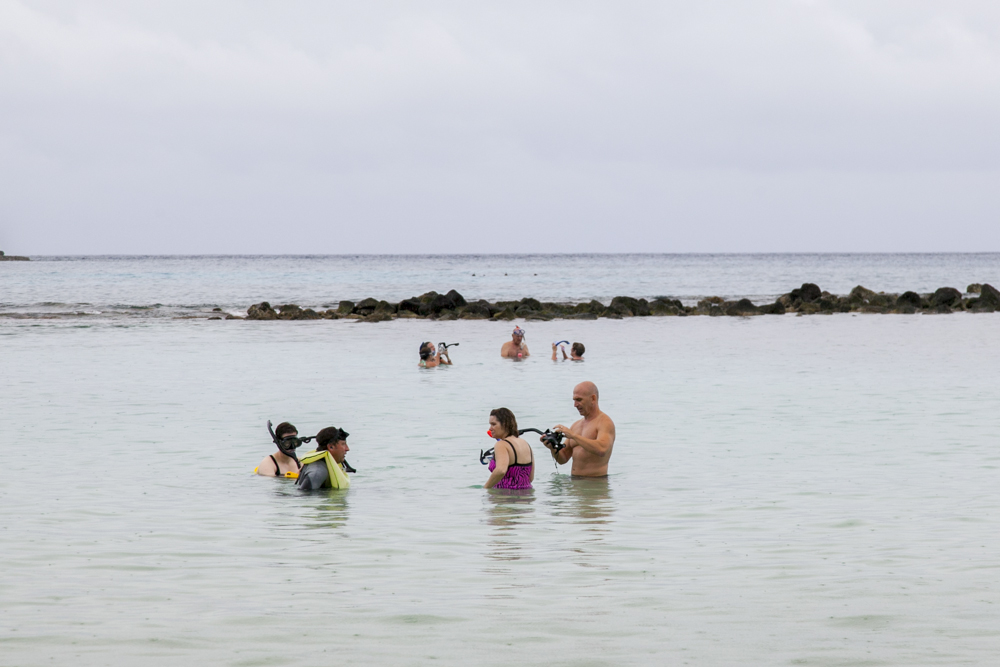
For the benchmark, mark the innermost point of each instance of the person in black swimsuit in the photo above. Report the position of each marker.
(279, 463)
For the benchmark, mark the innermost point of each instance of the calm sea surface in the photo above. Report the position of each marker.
(785, 490)
(144, 287)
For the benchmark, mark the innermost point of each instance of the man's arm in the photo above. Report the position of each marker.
(524, 350)
(599, 446)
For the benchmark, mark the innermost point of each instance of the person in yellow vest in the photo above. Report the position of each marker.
(325, 468)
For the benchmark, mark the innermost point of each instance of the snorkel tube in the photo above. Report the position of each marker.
(549, 438)
(287, 446)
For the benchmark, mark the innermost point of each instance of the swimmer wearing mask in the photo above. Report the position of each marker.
(430, 357)
(283, 463)
(575, 351)
(515, 348)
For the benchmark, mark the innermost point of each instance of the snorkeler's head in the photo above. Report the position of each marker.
(517, 335)
(505, 420)
(578, 349)
(284, 430)
(426, 350)
(333, 440)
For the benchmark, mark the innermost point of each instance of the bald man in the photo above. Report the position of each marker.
(590, 440)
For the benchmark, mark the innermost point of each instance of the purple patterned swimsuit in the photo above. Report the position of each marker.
(518, 475)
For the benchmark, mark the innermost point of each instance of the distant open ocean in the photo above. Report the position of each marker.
(784, 490)
(177, 286)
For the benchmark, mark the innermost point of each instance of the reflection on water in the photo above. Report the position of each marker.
(506, 511)
(330, 509)
(587, 499)
(588, 503)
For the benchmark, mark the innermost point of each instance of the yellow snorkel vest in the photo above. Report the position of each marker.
(338, 478)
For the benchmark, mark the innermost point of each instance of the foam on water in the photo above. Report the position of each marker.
(784, 490)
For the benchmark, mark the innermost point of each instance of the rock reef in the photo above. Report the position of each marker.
(808, 299)
(13, 258)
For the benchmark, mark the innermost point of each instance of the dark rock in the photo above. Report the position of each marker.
(216, 310)
(505, 314)
(582, 316)
(438, 304)
(637, 307)
(366, 307)
(593, 307)
(861, 296)
(233, 317)
(308, 314)
(525, 311)
(942, 309)
(741, 308)
(946, 296)
(533, 304)
(807, 293)
(345, 308)
(329, 314)
(289, 312)
(215, 318)
(618, 309)
(446, 315)
(911, 299)
(261, 311)
(990, 295)
(479, 310)
(974, 288)
(409, 305)
(427, 297)
(456, 299)
(776, 308)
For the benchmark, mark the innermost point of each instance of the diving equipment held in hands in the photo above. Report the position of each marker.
(549, 438)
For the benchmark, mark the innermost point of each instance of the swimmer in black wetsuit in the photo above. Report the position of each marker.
(283, 460)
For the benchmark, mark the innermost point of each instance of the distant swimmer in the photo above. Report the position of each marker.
(575, 352)
(326, 468)
(283, 463)
(431, 356)
(513, 464)
(515, 347)
(589, 441)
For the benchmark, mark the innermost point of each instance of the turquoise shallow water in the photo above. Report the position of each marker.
(785, 490)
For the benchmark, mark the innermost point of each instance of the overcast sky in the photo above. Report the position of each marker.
(340, 127)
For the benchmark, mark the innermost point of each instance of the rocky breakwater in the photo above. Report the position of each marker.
(808, 299)
(13, 258)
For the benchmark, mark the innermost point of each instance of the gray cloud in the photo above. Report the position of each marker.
(459, 127)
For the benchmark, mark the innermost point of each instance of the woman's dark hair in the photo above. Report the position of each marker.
(326, 437)
(284, 428)
(578, 349)
(425, 351)
(507, 420)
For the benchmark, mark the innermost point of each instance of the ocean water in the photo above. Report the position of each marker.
(145, 287)
(784, 490)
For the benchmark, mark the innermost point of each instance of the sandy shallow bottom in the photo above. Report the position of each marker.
(800, 491)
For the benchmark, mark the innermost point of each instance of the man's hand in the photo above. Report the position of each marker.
(559, 428)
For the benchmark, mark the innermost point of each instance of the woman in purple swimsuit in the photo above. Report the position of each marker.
(513, 464)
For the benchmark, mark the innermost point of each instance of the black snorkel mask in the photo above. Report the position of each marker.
(288, 445)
